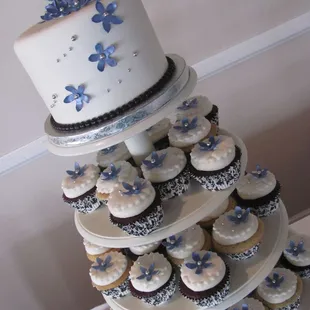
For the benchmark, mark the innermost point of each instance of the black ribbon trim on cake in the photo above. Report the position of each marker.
(96, 121)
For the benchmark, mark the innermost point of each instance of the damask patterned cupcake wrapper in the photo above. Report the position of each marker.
(303, 272)
(293, 306)
(245, 255)
(213, 116)
(118, 292)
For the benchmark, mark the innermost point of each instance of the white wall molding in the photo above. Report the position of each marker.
(206, 68)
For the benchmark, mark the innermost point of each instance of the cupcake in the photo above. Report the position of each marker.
(183, 244)
(260, 191)
(158, 134)
(121, 171)
(205, 279)
(216, 163)
(238, 234)
(136, 207)
(188, 131)
(79, 188)
(110, 274)
(167, 171)
(248, 304)
(296, 255)
(152, 279)
(93, 251)
(281, 290)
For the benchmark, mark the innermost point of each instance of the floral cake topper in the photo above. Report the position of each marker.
(172, 242)
(156, 160)
(77, 172)
(200, 263)
(186, 125)
(109, 150)
(148, 273)
(188, 104)
(210, 144)
(259, 173)
(103, 57)
(110, 175)
(103, 265)
(296, 248)
(78, 96)
(240, 215)
(135, 189)
(274, 281)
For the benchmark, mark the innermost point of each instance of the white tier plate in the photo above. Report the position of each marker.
(180, 213)
(305, 296)
(245, 275)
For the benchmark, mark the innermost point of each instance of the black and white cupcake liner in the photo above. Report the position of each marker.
(158, 297)
(303, 272)
(118, 292)
(293, 306)
(245, 255)
(161, 144)
(213, 116)
(126, 251)
(220, 179)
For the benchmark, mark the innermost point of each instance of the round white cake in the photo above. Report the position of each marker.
(159, 130)
(118, 152)
(145, 249)
(94, 249)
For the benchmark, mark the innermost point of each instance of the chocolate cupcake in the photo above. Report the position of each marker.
(216, 163)
(79, 188)
(136, 207)
(205, 279)
(158, 134)
(167, 171)
(260, 191)
(93, 251)
(248, 304)
(152, 279)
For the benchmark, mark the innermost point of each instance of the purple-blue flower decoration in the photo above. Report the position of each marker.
(296, 249)
(106, 16)
(112, 174)
(244, 307)
(77, 172)
(275, 281)
(172, 242)
(155, 162)
(103, 265)
(241, 216)
(200, 264)
(78, 96)
(188, 104)
(148, 273)
(103, 57)
(76, 5)
(134, 189)
(109, 150)
(259, 173)
(186, 124)
(210, 145)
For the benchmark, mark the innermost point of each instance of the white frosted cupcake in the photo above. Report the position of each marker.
(281, 290)
(158, 134)
(248, 304)
(110, 274)
(238, 234)
(135, 207)
(181, 245)
(167, 171)
(93, 251)
(216, 163)
(260, 191)
(205, 279)
(152, 279)
(79, 188)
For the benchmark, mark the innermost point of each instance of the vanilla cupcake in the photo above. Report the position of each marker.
(183, 244)
(188, 131)
(281, 290)
(110, 274)
(248, 304)
(260, 191)
(205, 279)
(135, 207)
(167, 171)
(93, 251)
(79, 188)
(238, 234)
(152, 279)
(121, 171)
(158, 134)
(216, 163)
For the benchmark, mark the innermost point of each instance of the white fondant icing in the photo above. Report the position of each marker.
(217, 159)
(218, 211)
(209, 278)
(127, 174)
(253, 304)
(303, 259)
(46, 42)
(173, 164)
(161, 265)
(145, 249)
(121, 153)
(250, 187)
(81, 185)
(123, 206)
(159, 130)
(225, 232)
(111, 274)
(193, 240)
(94, 249)
(286, 290)
(181, 139)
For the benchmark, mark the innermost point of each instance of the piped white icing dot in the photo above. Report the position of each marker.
(121, 153)
(253, 304)
(145, 249)
(94, 249)
(159, 130)
(218, 211)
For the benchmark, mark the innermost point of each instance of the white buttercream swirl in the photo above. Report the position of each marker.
(218, 211)
(94, 249)
(159, 130)
(253, 304)
(119, 154)
(145, 249)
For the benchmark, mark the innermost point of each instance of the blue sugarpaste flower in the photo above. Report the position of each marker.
(103, 265)
(172, 243)
(155, 162)
(296, 249)
(77, 172)
(148, 273)
(259, 173)
(134, 189)
(210, 145)
(78, 96)
(244, 307)
(275, 281)
(200, 263)
(76, 5)
(103, 57)
(188, 104)
(112, 174)
(109, 150)
(187, 125)
(106, 16)
(241, 216)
